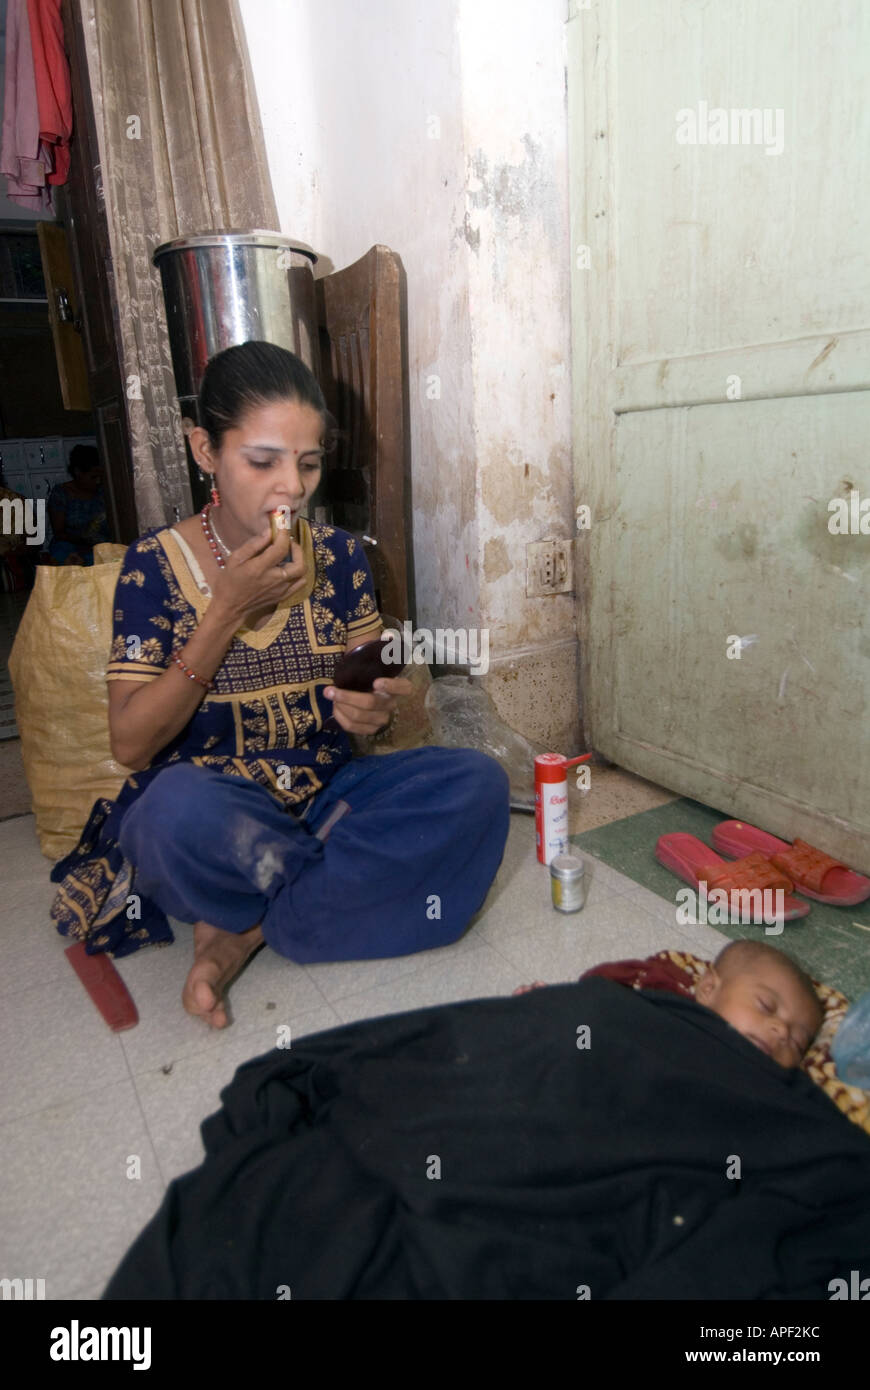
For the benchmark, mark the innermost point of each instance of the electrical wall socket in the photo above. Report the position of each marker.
(549, 568)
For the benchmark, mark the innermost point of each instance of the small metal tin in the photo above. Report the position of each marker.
(568, 882)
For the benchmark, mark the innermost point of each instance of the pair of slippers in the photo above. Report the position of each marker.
(763, 862)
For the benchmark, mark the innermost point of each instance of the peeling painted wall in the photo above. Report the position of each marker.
(439, 129)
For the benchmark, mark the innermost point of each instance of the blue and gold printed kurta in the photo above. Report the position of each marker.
(262, 721)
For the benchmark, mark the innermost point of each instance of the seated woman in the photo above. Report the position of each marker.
(247, 813)
(77, 510)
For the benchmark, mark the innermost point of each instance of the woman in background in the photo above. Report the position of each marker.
(77, 510)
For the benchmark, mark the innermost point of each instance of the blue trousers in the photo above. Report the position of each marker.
(403, 870)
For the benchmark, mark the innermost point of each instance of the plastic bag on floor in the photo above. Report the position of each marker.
(464, 716)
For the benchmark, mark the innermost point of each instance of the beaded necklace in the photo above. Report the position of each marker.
(213, 538)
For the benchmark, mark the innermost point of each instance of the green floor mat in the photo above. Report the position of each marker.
(832, 943)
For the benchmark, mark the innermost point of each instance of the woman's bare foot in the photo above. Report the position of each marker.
(217, 956)
(524, 989)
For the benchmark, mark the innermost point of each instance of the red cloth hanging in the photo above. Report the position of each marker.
(53, 87)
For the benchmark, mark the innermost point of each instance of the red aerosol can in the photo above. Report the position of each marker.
(551, 803)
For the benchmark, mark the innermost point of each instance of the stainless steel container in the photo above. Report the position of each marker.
(225, 287)
(568, 882)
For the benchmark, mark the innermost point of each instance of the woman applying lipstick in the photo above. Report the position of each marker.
(225, 643)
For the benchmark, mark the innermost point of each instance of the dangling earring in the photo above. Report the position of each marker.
(215, 495)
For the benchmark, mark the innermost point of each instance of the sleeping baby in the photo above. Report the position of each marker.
(753, 986)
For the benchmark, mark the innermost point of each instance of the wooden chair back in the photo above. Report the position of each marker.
(363, 340)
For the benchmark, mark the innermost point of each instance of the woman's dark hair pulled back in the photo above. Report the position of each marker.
(251, 374)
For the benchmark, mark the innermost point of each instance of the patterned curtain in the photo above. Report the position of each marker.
(181, 152)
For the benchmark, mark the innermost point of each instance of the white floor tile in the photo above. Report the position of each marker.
(339, 979)
(176, 1100)
(529, 904)
(663, 909)
(700, 938)
(68, 1210)
(20, 855)
(55, 1047)
(473, 974)
(571, 943)
(267, 989)
(31, 948)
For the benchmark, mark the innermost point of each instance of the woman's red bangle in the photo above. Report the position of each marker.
(191, 675)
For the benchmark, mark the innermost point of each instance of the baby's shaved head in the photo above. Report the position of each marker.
(738, 956)
(765, 996)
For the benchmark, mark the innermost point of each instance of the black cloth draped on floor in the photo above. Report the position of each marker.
(495, 1149)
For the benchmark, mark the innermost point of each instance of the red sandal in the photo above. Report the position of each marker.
(813, 873)
(694, 862)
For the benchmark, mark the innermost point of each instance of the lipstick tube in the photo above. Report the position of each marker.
(280, 520)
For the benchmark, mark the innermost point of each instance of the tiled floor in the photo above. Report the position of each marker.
(79, 1104)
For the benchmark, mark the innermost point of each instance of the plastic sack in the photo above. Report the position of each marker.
(851, 1047)
(58, 670)
(464, 716)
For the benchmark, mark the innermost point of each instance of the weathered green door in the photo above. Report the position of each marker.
(721, 303)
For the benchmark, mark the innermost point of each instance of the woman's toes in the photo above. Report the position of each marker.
(204, 996)
(200, 997)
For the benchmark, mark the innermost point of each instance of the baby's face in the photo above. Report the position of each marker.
(767, 1005)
